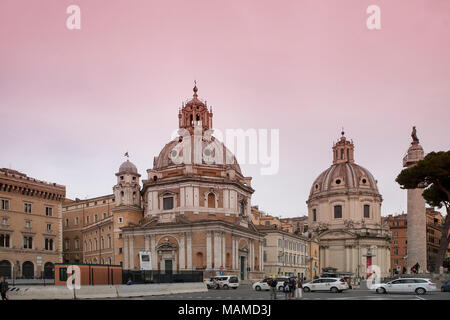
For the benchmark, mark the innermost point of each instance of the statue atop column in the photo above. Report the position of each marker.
(414, 135)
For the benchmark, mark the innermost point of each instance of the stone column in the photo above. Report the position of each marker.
(208, 250)
(182, 252)
(347, 258)
(125, 252)
(131, 252)
(147, 244)
(153, 252)
(251, 255)
(416, 231)
(236, 252)
(261, 255)
(224, 253)
(416, 217)
(217, 250)
(189, 250)
(233, 250)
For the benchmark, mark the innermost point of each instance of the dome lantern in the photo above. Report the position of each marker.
(343, 150)
(194, 113)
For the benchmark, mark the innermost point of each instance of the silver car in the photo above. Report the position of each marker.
(411, 285)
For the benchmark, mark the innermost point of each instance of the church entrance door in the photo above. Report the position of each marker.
(168, 266)
(242, 268)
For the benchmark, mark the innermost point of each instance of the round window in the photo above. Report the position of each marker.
(364, 181)
(207, 152)
(317, 186)
(338, 181)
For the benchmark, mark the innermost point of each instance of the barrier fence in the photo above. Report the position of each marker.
(161, 276)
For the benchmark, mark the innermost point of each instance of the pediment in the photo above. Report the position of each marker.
(336, 234)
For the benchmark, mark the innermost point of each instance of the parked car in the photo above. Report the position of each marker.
(445, 287)
(263, 285)
(326, 284)
(211, 282)
(227, 282)
(411, 285)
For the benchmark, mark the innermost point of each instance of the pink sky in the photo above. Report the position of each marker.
(73, 101)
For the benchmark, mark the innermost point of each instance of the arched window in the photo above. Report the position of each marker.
(338, 212)
(28, 270)
(211, 200)
(5, 269)
(366, 211)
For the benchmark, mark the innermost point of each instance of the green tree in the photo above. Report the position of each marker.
(433, 174)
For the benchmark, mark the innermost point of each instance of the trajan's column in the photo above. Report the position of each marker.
(416, 218)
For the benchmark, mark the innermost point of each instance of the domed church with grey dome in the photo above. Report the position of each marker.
(344, 212)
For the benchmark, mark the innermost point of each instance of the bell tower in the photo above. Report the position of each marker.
(127, 189)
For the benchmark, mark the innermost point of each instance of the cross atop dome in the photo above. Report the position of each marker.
(194, 113)
(343, 150)
(195, 89)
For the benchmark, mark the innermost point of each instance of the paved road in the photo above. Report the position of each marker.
(245, 292)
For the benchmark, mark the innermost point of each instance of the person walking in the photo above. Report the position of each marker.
(292, 285)
(299, 289)
(3, 288)
(273, 288)
(286, 289)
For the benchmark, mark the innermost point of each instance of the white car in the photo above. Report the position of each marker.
(263, 285)
(227, 282)
(416, 285)
(326, 284)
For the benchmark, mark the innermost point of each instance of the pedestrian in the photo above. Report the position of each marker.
(299, 289)
(4, 288)
(292, 285)
(129, 282)
(273, 288)
(286, 289)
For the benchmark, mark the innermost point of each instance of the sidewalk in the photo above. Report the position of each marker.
(36, 292)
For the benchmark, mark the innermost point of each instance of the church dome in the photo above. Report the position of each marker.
(344, 174)
(207, 156)
(195, 145)
(128, 167)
